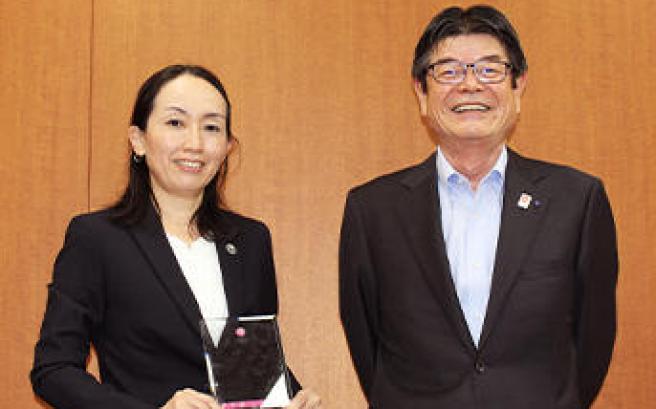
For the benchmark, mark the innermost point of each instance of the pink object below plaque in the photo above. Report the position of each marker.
(240, 331)
(243, 404)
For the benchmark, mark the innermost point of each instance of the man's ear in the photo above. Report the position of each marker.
(136, 138)
(421, 97)
(520, 87)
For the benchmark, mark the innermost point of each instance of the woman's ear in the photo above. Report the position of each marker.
(136, 138)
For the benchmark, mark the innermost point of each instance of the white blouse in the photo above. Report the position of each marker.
(199, 262)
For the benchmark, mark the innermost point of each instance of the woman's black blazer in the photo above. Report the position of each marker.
(122, 290)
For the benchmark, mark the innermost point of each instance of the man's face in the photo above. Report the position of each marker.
(471, 112)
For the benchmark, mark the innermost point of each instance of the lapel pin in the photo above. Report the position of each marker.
(231, 249)
(524, 201)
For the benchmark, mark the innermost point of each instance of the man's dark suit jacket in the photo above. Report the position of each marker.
(122, 290)
(549, 330)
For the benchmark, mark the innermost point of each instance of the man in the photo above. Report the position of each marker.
(479, 278)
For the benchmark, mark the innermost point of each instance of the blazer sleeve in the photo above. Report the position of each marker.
(597, 270)
(357, 294)
(74, 309)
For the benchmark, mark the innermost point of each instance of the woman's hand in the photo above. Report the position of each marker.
(305, 399)
(191, 399)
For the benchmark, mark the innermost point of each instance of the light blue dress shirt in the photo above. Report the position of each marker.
(470, 224)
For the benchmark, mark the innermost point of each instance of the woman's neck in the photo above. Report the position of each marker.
(176, 213)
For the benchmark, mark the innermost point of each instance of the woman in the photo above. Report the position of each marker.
(135, 279)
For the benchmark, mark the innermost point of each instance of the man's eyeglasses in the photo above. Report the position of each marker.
(454, 72)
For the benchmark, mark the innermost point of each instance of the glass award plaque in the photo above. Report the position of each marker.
(245, 362)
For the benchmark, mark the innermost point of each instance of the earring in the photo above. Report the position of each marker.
(137, 158)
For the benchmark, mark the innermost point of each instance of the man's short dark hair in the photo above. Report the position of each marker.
(456, 21)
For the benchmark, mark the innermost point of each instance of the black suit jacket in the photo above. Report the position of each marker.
(550, 325)
(122, 290)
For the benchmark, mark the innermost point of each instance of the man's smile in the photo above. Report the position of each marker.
(470, 106)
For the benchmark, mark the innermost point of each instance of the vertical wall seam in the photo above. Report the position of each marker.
(90, 106)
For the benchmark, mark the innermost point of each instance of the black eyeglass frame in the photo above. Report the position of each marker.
(466, 66)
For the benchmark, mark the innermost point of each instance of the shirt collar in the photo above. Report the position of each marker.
(446, 172)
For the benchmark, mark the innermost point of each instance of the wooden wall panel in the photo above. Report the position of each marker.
(581, 108)
(322, 101)
(44, 107)
(316, 87)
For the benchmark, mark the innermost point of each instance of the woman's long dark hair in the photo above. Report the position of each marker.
(138, 195)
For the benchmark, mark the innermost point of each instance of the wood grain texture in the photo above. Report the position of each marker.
(322, 101)
(44, 112)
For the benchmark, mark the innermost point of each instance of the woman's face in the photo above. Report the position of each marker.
(186, 140)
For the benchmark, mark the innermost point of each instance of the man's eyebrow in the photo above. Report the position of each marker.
(490, 57)
(445, 60)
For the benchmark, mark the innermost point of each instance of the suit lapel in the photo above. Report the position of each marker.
(520, 221)
(230, 251)
(419, 211)
(151, 240)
